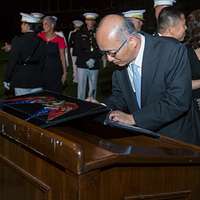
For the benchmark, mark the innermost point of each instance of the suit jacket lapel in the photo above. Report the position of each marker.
(148, 69)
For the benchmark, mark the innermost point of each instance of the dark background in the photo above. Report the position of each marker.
(68, 10)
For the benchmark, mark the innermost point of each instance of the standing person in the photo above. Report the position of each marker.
(152, 86)
(137, 17)
(193, 31)
(55, 69)
(37, 28)
(160, 4)
(88, 57)
(192, 40)
(71, 41)
(26, 60)
(172, 23)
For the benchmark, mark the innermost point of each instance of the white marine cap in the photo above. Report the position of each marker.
(37, 15)
(164, 2)
(55, 18)
(90, 15)
(29, 18)
(135, 13)
(77, 23)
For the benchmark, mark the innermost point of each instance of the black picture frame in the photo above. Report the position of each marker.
(26, 110)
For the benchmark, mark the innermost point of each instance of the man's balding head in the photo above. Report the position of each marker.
(114, 27)
(116, 36)
(109, 26)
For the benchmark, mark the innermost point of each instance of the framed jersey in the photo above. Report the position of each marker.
(47, 108)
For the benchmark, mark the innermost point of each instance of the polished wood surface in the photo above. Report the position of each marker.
(84, 160)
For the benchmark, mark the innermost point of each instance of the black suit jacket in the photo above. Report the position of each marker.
(166, 90)
(26, 74)
(85, 47)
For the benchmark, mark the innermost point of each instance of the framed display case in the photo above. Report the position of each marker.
(47, 108)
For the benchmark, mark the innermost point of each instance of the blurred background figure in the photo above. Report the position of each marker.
(71, 42)
(55, 67)
(172, 23)
(26, 60)
(160, 4)
(39, 16)
(193, 31)
(88, 57)
(6, 47)
(37, 26)
(137, 17)
(192, 40)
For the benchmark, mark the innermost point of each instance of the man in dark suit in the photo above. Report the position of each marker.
(172, 23)
(152, 85)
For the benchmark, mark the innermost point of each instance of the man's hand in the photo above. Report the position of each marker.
(64, 77)
(90, 63)
(6, 85)
(119, 116)
(7, 47)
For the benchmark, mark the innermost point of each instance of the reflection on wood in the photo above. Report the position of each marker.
(70, 162)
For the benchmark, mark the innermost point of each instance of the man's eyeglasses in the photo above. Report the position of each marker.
(113, 54)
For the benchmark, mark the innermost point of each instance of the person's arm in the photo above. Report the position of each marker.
(13, 59)
(64, 66)
(197, 51)
(195, 84)
(66, 52)
(62, 46)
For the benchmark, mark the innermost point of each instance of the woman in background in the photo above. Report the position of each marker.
(193, 45)
(193, 31)
(55, 67)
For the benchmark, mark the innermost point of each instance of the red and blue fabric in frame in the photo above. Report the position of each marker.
(47, 108)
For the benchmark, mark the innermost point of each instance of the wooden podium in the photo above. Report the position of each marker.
(84, 160)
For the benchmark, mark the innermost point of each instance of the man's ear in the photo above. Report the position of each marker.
(170, 30)
(133, 41)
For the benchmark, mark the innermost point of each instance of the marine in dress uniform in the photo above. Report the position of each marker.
(88, 57)
(26, 60)
(71, 42)
(160, 4)
(39, 16)
(136, 16)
